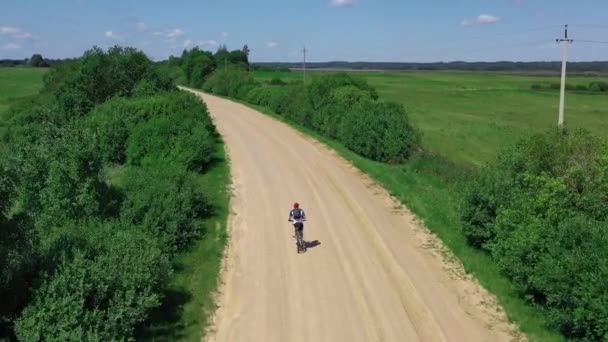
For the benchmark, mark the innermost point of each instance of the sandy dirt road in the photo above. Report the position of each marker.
(374, 274)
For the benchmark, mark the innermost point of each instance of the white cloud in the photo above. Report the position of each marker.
(187, 43)
(480, 20)
(225, 34)
(272, 44)
(341, 3)
(141, 27)
(109, 34)
(170, 34)
(209, 44)
(15, 32)
(10, 47)
(9, 30)
(23, 35)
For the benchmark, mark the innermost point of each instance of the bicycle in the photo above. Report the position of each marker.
(299, 235)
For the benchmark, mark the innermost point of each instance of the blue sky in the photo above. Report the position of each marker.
(352, 30)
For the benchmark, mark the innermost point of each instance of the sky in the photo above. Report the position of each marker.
(345, 30)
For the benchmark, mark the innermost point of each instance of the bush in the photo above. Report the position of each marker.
(173, 141)
(581, 87)
(109, 277)
(380, 131)
(277, 82)
(227, 82)
(113, 122)
(165, 199)
(542, 212)
(342, 102)
(298, 106)
(197, 65)
(598, 86)
(274, 98)
(101, 75)
(321, 87)
(536, 86)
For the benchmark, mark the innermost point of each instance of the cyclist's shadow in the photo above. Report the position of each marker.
(312, 244)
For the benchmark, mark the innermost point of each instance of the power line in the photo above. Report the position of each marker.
(304, 63)
(591, 41)
(564, 43)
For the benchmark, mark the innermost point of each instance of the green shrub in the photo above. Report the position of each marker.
(227, 82)
(113, 122)
(172, 140)
(555, 86)
(380, 131)
(101, 75)
(277, 81)
(274, 98)
(581, 87)
(598, 86)
(321, 87)
(165, 199)
(536, 86)
(342, 102)
(103, 288)
(542, 212)
(297, 106)
(197, 65)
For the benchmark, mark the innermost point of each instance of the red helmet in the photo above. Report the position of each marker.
(296, 205)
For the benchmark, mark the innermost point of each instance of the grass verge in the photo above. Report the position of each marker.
(190, 304)
(430, 187)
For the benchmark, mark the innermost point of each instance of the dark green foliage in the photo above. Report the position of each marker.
(165, 199)
(379, 131)
(542, 212)
(321, 88)
(101, 75)
(37, 61)
(277, 81)
(58, 74)
(197, 66)
(536, 86)
(109, 277)
(84, 253)
(174, 139)
(581, 87)
(113, 122)
(274, 98)
(228, 82)
(598, 86)
(298, 106)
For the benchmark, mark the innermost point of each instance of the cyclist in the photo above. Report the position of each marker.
(298, 216)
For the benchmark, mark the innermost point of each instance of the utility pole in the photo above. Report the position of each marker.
(564, 43)
(304, 63)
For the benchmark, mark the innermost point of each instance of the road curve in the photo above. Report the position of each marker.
(374, 274)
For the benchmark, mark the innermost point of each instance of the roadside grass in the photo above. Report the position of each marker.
(429, 185)
(18, 82)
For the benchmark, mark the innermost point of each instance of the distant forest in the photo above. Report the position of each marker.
(573, 67)
(579, 67)
(36, 61)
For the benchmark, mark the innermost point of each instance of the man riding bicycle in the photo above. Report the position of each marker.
(298, 216)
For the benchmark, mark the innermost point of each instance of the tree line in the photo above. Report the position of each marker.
(550, 66)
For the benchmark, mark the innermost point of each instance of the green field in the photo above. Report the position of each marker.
(469, 116)
(19, 82)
